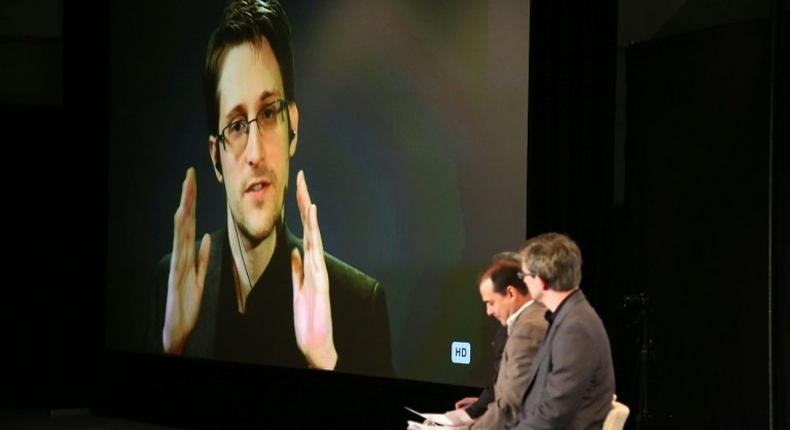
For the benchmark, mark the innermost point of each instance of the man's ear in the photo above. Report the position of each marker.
(216, 161)
(545, 286)
(293, 127)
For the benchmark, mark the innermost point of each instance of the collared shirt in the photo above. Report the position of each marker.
(512, 318)
(551, 315)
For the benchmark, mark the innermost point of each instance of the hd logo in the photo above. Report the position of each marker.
(461, 352)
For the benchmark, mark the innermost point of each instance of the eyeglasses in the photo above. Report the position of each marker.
(521, 275)
(237, 133)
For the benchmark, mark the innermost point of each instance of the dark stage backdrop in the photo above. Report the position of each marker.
(697, 232)
(780, 246)
(691, 229)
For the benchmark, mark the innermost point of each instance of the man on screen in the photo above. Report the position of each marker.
(252, 291)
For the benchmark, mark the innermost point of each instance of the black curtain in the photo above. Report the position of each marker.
(697, 154)
(54, 129)
(780, 264)
(692, 229)
(571, 128)
(570, 166)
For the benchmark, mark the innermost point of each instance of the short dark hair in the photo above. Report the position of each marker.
(556, 259)
(247, 21)
(504, 273)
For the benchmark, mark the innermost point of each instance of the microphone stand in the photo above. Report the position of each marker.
(641, 302)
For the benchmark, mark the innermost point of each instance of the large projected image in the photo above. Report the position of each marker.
(316, 185)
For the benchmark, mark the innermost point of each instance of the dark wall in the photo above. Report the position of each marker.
(211, 394)
(692, 230)
(781, 219)
(31, 53)
(698, 222)
(52, 99)
(570, 154)
(570, 181)
(697, 141)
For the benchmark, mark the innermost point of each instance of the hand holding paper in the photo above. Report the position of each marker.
(452, 420)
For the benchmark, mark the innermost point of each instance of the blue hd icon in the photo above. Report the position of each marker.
(461, 352)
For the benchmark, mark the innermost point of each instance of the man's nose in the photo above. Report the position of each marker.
(255, 150)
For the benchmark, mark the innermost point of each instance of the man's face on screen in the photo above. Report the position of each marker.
(497, 305)
(255, 173)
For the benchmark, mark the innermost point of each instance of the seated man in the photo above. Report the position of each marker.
(572, 383)
(476, 406)
(506, 298)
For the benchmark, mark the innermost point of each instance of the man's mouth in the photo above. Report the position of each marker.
(257, 185)
(257, 189)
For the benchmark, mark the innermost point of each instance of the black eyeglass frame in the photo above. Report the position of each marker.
(283, 106)
(521, 275)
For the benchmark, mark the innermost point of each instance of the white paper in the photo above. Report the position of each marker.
(457, 419)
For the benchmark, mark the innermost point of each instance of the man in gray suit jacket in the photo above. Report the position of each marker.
(572, 383)
(507, 299)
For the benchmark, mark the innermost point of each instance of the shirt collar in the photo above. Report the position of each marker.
(512, 318)
(551, 315)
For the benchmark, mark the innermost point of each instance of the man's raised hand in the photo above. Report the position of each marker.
(312, 310)
(185, 281)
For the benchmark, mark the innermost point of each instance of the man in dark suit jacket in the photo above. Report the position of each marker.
(476, 406)
(252, 291)
(572, 384)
